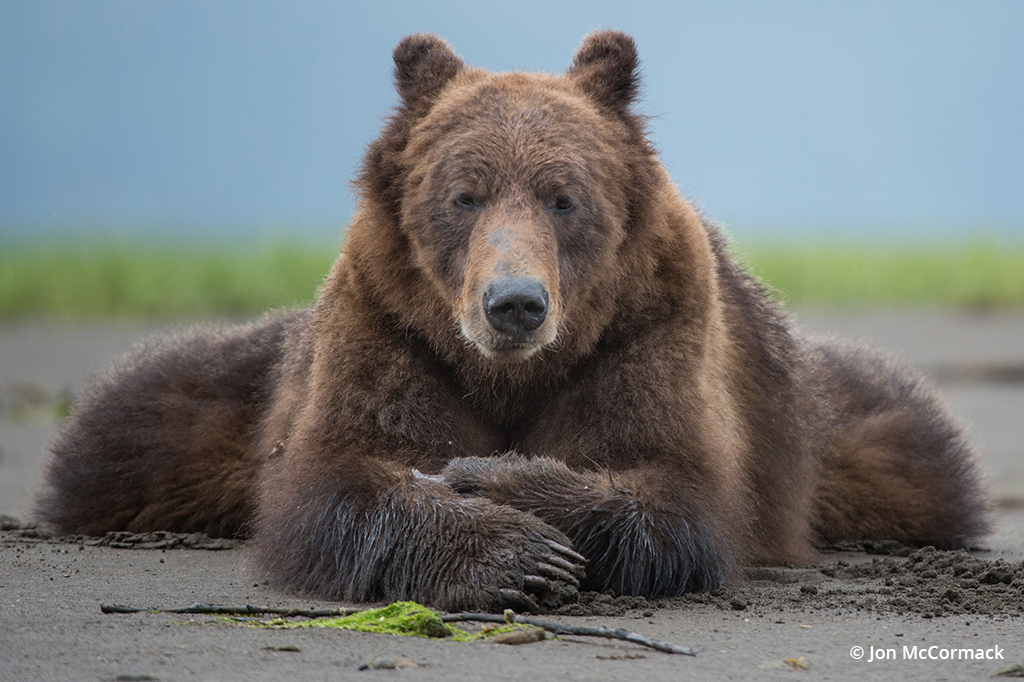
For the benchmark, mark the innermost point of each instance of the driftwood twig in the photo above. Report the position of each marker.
(582, 630)
(509, 618)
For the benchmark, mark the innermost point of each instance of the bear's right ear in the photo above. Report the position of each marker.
(606, 67)
(424, 64)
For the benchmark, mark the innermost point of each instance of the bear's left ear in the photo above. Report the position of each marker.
(424, 64)
(606, 67)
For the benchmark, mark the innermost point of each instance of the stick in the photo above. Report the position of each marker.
(583, 630)
(508, 617)
(248, 609)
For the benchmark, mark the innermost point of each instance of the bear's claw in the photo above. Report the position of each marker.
(518, 600)
(574, 568)
(558, 574)
(536, 583)
(565, 551)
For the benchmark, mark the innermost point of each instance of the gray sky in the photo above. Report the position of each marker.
(855, 118)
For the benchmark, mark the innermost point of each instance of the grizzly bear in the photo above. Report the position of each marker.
(534, 368)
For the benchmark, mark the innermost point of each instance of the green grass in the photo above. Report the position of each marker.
(975, 274)
(109, 280)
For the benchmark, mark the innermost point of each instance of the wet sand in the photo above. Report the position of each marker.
(871, 597)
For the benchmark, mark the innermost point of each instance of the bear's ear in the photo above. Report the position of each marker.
(606, 68)
(424, 64)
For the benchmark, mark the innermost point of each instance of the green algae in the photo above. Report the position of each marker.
(400, 618)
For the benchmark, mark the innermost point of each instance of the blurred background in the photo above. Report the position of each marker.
(848, 119)
(878, 137)
(172, 160)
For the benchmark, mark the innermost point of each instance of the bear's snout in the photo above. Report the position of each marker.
(510, 306)
(515, 306)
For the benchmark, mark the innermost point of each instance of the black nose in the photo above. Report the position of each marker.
(516, 305)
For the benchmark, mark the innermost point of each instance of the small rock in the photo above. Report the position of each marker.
(952, 595)
(523, 635)
(996, 575)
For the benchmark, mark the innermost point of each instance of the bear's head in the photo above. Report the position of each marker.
(510, 196)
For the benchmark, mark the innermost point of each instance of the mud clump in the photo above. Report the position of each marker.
(905, 581)
(933, 583)
(15, 531)
(600, 604)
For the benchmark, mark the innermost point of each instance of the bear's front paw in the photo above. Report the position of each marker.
(520, 482)
(470, 476)
(554, 582)
(520, 563)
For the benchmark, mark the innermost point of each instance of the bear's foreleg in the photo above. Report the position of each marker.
(412, 538)
(640, 535)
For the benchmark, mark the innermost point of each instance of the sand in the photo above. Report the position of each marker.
(909, 613)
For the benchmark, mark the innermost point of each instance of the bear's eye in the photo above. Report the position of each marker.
(563, 204)
(466, 201)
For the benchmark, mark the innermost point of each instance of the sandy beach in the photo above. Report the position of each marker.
(867, 612)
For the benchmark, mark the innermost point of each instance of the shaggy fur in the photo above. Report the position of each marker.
(533, 368)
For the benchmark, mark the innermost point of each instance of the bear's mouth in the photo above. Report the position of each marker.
(499, 348)
(511, 351)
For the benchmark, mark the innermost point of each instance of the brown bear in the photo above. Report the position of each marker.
(534, 368)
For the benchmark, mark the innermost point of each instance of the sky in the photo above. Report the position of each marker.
(181, 117)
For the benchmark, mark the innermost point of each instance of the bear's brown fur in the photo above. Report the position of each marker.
(534, 367)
